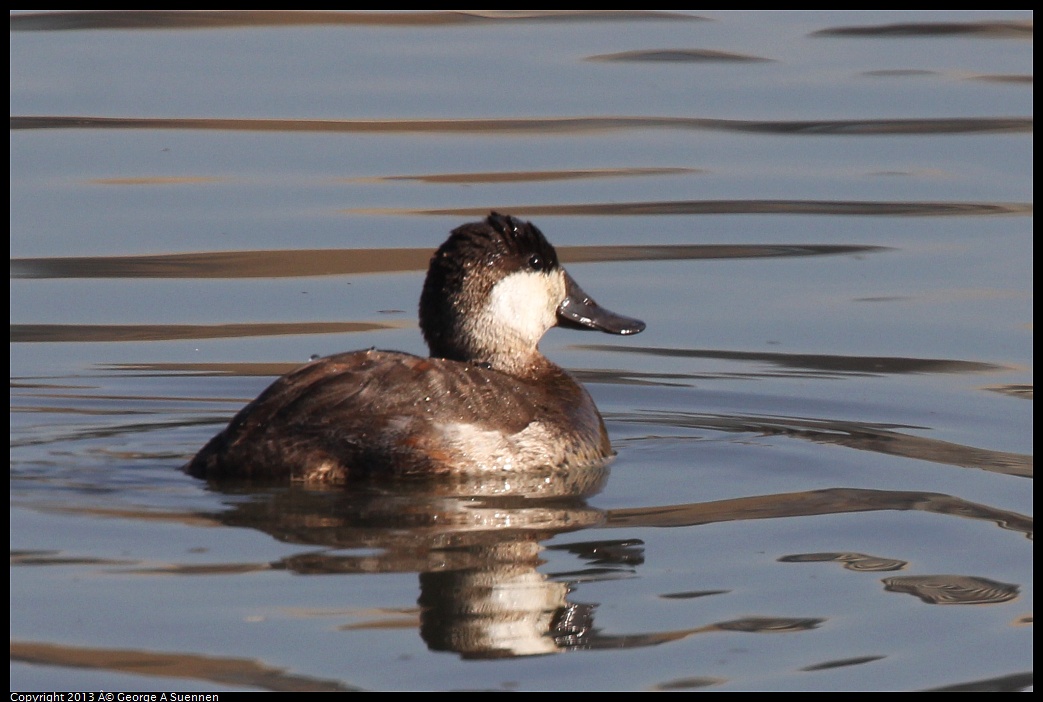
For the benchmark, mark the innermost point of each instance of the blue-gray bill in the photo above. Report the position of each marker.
(579, 311)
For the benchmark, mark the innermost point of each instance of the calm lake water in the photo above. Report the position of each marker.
(824, 479)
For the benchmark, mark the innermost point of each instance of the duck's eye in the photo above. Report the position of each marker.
(536, 262)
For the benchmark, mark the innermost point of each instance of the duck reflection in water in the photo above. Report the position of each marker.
(482, 551)
(489, 553)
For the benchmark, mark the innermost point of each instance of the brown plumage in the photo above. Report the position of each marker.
(486, 400)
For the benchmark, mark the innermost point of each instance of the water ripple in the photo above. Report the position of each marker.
(223, 670)
(863, 436)
(533, 176)
(717, 207)
(677, 56)
(325, 262)
(817, 364)
(84, 333)
(537, 125)
(211, 19)
(997, 29)
(953, 589)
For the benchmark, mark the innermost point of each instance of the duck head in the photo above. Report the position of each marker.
(495, 287)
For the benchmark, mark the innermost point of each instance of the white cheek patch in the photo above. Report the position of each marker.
(527, 302)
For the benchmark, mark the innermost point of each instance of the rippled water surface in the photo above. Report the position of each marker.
(824, 479)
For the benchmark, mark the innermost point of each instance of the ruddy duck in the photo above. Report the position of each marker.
(485, 400)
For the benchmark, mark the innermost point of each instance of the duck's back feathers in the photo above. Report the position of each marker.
(387, 413)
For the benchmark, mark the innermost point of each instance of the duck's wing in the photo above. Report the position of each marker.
(354, 388)
(367, 410)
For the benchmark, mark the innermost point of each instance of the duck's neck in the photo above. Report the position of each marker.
(512, 359)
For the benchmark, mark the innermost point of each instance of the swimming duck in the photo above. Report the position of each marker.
(485, 400)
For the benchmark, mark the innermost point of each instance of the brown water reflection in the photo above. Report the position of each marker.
(991, 77)
(864, 436)
(840, 663)
(535, 125)
(851, 561)
(297, 263)
(212, 19)
(996, 29)
(676, 56)
(1024, 392)
(91, 333)
(209, 19)
(714, 207)
(532, 176)
(816, 502)
(817, 363)
(1015, 682)
(237, 672)
(953, 589)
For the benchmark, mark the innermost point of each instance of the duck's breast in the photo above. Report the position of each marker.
(381, 412)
